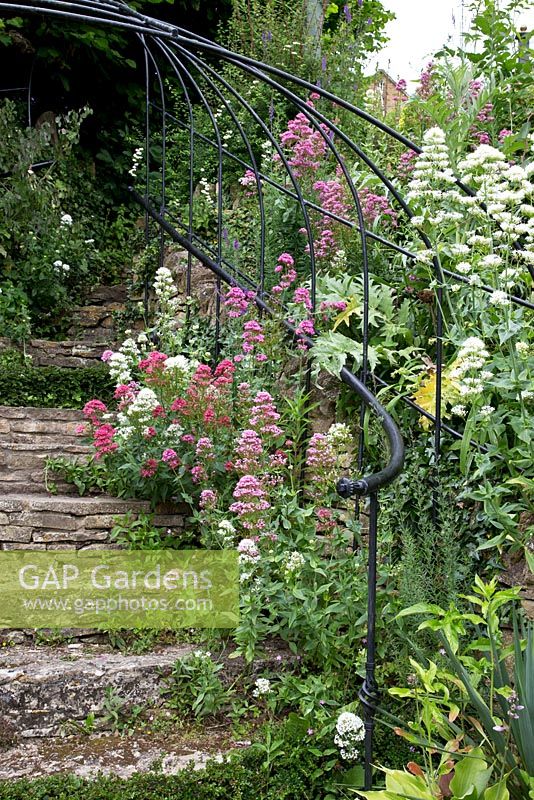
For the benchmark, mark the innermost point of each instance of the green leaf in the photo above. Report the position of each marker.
(471, 776)
(497, 792)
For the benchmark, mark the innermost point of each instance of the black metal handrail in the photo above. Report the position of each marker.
(201, 84)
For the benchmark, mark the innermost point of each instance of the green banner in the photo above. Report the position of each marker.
(116, 589)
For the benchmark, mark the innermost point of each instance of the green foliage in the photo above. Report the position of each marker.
(22, 384)
(194, 687)
(137, 532)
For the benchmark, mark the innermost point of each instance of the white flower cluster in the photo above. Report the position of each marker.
(225, 532)
(203, 654)
(339, 435)
(504, 188)
(248, 551)
(471, 356)
(185, 367)
(350, 731)
(66, 220)
(164, 283)
(262, 687)
(293, 563)
(140, 409)
(119, 368)
(137, 158)
(59, 265)
(433, 179)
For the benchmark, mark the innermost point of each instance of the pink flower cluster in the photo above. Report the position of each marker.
(425, 88)
(208, 499)
(93, 409)
(332, 197)
(103, 440)
(307, 144)
(406, 163)
(329, 307)
(170, 457)
(250, 502)
(248, 452)
(320, 457)
(287, 274)
(375, 206)
(504, 133)
(152, 366)
(253, 335)
(237, 301)
(264, 416)
(301, 296)
(149, 468)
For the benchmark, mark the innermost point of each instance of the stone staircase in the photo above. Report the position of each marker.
(31, 517)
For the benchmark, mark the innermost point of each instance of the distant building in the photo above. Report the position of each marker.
(390, 93)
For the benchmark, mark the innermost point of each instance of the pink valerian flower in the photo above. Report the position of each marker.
(204, 448)
(106, 355)
(375, 206)
(103, 440)
(426, 87)
(80, 429)
(188, 438)
(301, 296)
(93, 409)
(482, 137)
(153, 366)
(248, 179)
(158, 411)
(326, 521)
(209, 415)
(170, 457)
(149, 468)
(252, 335)
(278, 460)
(307, 144)
(475, 87)
(503, 134)
(264, 416)
(401, 88)
(486, 113)
(304, 328)
(208, 499)
(202, 376)
(149, 432)
(250, 502)
(329, 307)
(224, 373)
(333, 198)
(237, 301)
(320, 457)
(286, 272)
(406, 163)
(248, 452)
(179, 405)
(198, 473)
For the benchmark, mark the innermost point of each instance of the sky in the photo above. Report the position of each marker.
(420, 29)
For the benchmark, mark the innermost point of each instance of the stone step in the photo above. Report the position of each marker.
(88, 756)
(61, 522)
(73, 353)
(24, 462)
(43, 690)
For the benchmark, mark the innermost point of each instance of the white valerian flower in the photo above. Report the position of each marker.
(181, 364)
(491, 260)
(527, 394)
(66, 219)
(459, 411)
(486, 411)
(119, 368)
(424, 256)
(350, 731)
(339, 434)
(499, 298)
(204, 654)
(58, 263)
(293, 562)
(522, 347)
(142, 406)
(459, 249)
(463, 267)
(248, 551)
(262, 687)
